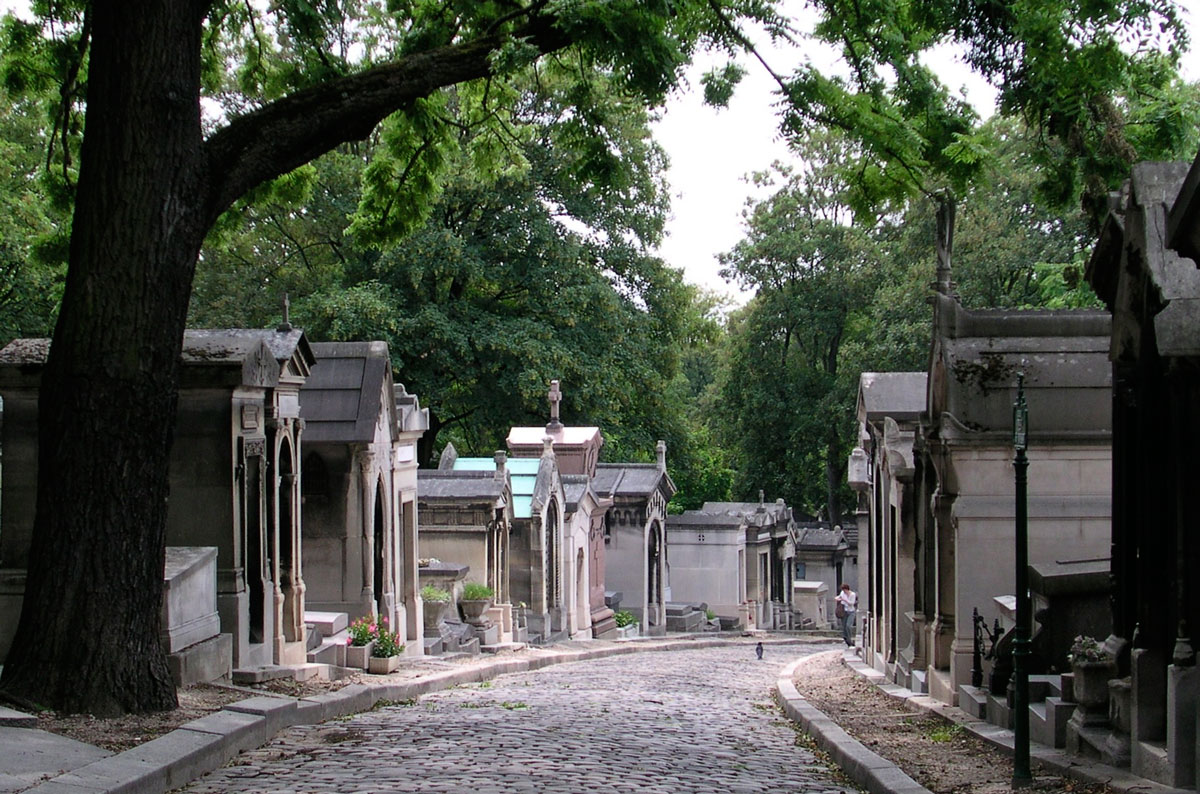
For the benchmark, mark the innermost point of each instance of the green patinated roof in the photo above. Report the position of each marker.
(522, 473)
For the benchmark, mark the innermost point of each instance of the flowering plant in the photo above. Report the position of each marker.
(387, 643)
(1087, 649)
(363, 631)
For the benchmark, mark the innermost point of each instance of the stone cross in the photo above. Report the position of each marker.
(555, 397)
(286, 304)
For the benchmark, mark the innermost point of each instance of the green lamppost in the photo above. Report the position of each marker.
(1021, 774)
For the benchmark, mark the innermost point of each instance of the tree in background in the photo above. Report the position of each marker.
(536, 273)
(814, 265)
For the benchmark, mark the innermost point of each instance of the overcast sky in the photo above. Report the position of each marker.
(712, 150)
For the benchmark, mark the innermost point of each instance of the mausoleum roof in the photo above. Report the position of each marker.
(631, 479)
(563, 437)
(900, 395)
(342, 399)
(464, 485)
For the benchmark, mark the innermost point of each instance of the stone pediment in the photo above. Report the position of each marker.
(260, 367)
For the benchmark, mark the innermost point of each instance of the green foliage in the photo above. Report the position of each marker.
(435, 594)
(475, 591)
(624, 618)
(1097, 80)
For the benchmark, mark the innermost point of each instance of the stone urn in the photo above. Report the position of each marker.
(474, 610)
(434, 612)
(358, 656)
(1091, 683)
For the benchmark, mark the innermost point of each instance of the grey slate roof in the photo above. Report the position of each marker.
(629, 479)
(575, 487)
(343, 396)
(900, 395)
(200, 346)
(819, 538)
(442, 485)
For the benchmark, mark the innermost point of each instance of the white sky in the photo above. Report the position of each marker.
(712, 151)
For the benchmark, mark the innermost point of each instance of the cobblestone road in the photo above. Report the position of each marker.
(675, 721)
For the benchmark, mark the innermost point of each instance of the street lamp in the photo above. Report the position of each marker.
(1021, 774)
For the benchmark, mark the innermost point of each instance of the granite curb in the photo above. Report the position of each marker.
(867, 769)
(208, 743)
(1053, 759)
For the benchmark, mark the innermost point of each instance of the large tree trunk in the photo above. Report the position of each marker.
(149, 189)
(88, 638)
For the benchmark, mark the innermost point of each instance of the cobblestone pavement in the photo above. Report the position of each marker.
(675, 721)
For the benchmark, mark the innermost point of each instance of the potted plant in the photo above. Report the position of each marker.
(627, 623)
(359, 644)
(385, 654)
(1093, 666)
(436, 600)
(476, 599)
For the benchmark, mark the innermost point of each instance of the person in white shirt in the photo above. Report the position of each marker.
(847, 603)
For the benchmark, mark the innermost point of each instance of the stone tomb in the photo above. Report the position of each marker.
(635, 537)
(191, 628)
(360, 524)
(234, 479)
(739, 558)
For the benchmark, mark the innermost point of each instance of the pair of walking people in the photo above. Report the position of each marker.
(845, 605)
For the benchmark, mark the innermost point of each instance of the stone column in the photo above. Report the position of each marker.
(364, 461)
(941, 630)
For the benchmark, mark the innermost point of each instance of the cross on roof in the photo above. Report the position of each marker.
(286, 304)
(555, 397)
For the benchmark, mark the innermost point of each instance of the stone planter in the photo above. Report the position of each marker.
(473, 610)
(358, 656)
(382, 665)
(1091, 683)
(434, 610)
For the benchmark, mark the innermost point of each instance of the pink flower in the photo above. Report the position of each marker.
(372, 628)
(349, 640)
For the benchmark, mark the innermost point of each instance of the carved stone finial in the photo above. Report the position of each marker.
(555, 398)
(285, 304)
(547, 446)
(660, 451)
(945, 242)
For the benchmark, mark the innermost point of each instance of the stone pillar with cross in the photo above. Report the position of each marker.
(555, 397)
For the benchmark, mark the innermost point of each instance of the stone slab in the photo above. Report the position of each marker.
(118, 774)
(209, 660)
(30, 755)
(242, 731)
(329, 623)
(278, 712)
(10, 718)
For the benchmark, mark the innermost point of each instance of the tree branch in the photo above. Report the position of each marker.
(302, 126)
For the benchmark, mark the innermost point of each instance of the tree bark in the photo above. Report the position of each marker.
(87, 640)
(149, 189)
